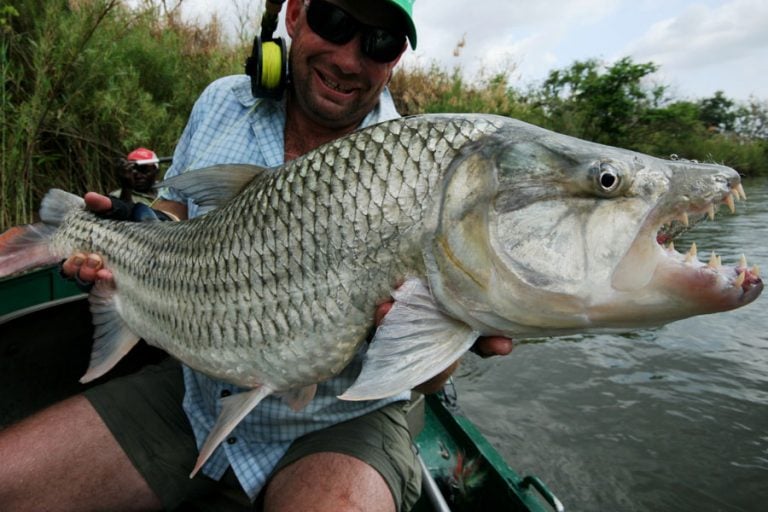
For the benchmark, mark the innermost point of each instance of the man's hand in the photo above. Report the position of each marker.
(88, 268)
(125, 172)
(485, 346)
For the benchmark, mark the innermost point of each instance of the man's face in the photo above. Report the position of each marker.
(336, 85)
(144, 177)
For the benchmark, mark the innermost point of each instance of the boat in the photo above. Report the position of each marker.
(45, 333)
(462, 471)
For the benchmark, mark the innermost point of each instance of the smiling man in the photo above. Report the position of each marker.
(130, 444)
(334, 87)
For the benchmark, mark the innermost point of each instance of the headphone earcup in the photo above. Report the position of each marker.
(268, 68)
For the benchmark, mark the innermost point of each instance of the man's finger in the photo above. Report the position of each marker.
(97, 202)
(381, 311)
(489, 346)
(104, 275)
(71, 265)
(90, 268)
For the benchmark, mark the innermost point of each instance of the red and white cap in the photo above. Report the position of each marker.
(143, 156)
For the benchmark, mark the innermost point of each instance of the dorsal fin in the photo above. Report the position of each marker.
(213, 186)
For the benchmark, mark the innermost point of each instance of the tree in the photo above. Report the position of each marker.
(84, 81)
(599, 102)
(751, 120)
(718, 113)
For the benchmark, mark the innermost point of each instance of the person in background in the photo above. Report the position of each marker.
(129, 444)
(137, 174)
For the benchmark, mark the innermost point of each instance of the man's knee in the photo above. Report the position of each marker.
(373, 449)
(331, 482)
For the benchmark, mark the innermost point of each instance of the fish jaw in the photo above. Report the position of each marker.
(547, 235)
(671, 285)
(678, 285)
(709, 287)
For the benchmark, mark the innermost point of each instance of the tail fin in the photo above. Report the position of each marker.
(24, 247)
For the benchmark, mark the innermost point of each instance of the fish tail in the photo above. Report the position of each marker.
(24, 247)
(28, 246)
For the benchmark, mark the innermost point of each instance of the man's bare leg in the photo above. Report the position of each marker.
(328, 482)
(65, 458)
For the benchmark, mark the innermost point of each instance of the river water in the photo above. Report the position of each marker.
(672, 419)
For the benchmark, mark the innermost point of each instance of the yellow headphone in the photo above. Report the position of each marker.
(268, 64)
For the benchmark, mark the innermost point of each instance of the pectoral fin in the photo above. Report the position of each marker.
(234, 409)
(415, 342)
(112, 339)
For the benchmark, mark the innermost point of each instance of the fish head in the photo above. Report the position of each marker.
(539, 234)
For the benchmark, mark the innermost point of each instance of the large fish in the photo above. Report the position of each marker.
(496, 227)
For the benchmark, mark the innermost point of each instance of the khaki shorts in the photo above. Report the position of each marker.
(143, 411)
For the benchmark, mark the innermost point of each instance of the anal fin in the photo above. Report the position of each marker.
(234, 409)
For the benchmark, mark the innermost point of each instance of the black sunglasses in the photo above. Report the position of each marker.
(143, 169)
(337, 26)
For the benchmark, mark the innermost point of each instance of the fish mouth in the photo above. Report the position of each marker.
(711, 285)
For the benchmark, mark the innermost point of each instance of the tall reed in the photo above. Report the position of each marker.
(85, 81)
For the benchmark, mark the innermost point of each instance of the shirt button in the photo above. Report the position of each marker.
(225, 393)
(231, 440)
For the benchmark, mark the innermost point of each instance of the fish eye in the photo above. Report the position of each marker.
(608, 178)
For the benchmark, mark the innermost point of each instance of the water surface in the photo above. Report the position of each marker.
(672, 419)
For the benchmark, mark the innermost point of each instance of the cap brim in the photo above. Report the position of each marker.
(411, 27)
(411, 33)
(147, 161)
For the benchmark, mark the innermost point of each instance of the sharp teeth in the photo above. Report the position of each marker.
(730, 203)
(671, 246)
(755, 270)
(740, 191)
(742, 262)
(713, 260)
(711, 212)
(684, 219)
(740, 280)
(691, 254)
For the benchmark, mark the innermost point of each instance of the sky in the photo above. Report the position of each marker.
(701, 46)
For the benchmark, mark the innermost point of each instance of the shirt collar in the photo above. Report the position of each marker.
(269, 117)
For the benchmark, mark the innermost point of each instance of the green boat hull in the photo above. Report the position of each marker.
(32, 288)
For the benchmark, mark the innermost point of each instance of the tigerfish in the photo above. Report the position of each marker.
(493, 227)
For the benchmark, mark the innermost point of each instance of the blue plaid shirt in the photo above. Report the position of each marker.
(227, 125)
